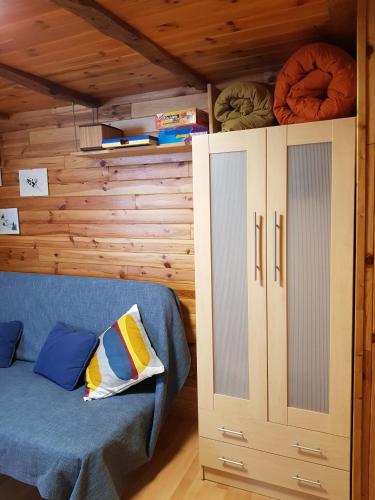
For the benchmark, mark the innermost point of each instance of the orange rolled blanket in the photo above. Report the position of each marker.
(318, 82)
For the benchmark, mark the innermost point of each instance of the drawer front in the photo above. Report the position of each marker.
(296, 475)
(292, 442)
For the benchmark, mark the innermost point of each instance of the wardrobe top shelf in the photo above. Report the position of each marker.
(135, 151)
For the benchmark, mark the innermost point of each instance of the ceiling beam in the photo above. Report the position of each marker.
(115, 27)
(44, 86)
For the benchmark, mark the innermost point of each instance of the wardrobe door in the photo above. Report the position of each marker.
(229, 176)
(310, 210)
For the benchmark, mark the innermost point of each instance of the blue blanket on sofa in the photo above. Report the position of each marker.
(50, 437)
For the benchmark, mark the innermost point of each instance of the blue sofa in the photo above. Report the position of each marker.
(50, 437)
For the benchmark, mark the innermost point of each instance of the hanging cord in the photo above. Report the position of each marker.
(74, 125)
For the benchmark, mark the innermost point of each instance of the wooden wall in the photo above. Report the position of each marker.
(364, 360)
(126, 218)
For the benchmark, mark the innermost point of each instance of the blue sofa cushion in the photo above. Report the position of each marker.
(10, 334)
(65, 355)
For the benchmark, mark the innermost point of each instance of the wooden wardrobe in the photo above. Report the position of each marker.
(274, 228)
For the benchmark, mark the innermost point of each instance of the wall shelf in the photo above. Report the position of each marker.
(135, 151)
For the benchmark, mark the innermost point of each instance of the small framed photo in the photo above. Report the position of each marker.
(9, 221)
(33, 182)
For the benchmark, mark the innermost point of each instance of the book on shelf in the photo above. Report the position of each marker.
(136, 140)
(117, 142)
(140, 140)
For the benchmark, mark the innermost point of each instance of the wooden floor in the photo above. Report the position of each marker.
(173, 473)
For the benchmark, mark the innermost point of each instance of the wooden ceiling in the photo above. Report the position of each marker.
(219, 39)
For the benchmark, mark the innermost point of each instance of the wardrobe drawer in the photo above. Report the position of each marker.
(296, 475)
(293, 442)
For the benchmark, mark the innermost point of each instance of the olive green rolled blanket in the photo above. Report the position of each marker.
(244, 105)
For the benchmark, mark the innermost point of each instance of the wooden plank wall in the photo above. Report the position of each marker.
(126, 218)
(363, 484)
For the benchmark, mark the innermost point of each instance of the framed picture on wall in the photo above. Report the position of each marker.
(9, 221)
(33, 182)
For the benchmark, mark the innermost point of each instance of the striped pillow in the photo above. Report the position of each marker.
(124, 358)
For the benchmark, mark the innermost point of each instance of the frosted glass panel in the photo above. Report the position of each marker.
(229, 273)
(308, 275)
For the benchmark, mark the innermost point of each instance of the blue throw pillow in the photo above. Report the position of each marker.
(10, 334)
(65, 354)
